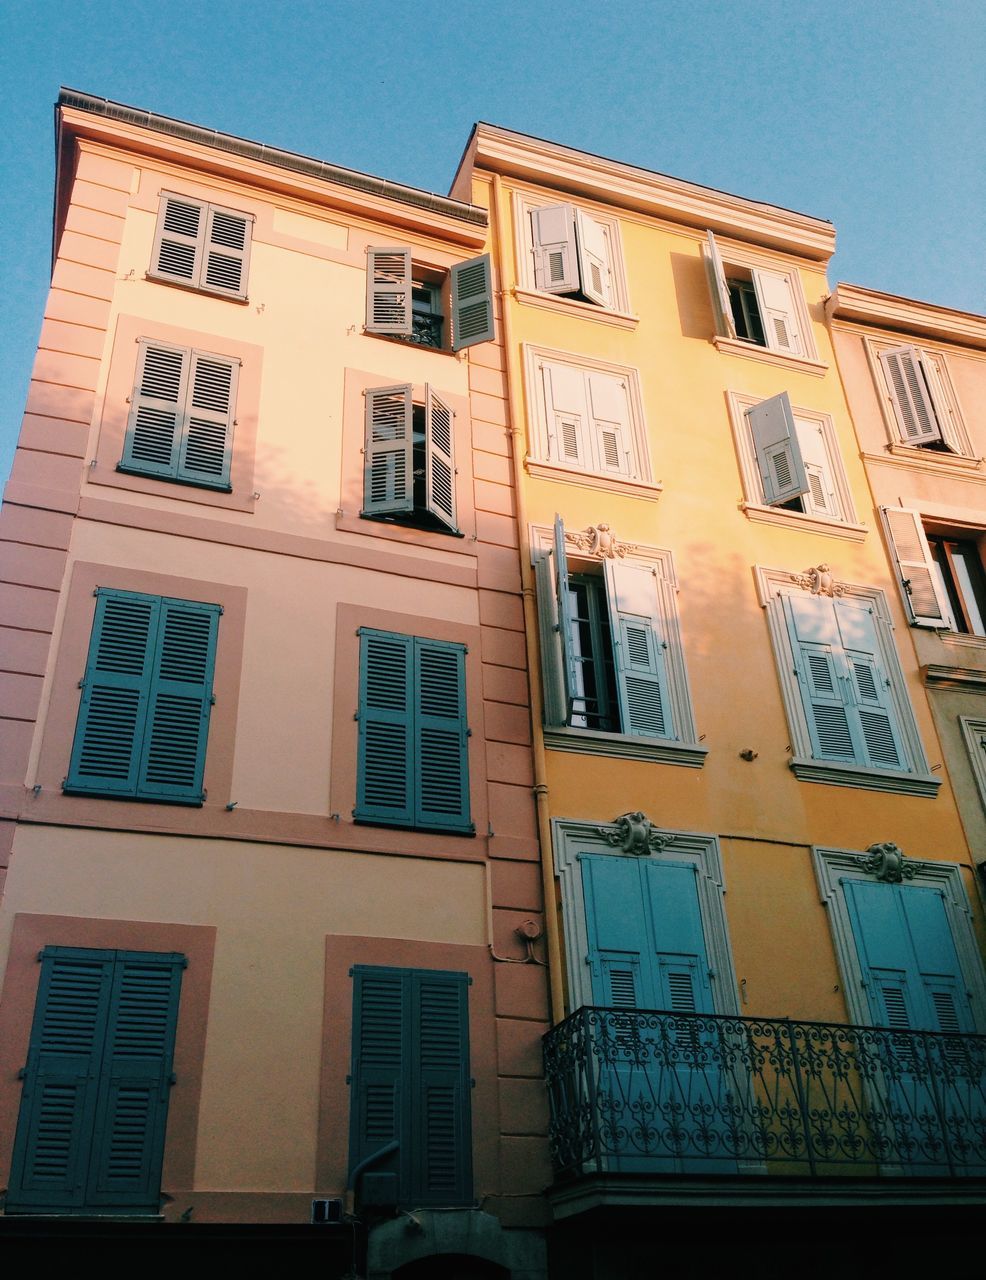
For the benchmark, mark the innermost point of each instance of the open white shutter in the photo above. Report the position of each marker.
(388, 291)
(593, 254)
(775, 440)
(920, 581)
(820, 498)
(610, 414)
(565, 620)
(439, 459)
(637, 630)
(388, 458)
(777, 312)
(567, 412)
(910, 395)
(725, 324)
(556, 268)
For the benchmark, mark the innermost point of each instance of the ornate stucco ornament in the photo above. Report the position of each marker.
(599, 540)
(635, 834)
(820, 581)
(886, 862)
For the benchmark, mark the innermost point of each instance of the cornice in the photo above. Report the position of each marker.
(655, 194)
(907, 315)
(81, 115)
(940, 676)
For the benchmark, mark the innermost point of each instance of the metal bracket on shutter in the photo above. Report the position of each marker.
(172, 1079)
(22, 1074)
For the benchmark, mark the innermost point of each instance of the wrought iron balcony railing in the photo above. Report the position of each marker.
(640, 1092)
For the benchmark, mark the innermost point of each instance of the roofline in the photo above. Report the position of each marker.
(293, 161)
(854, 302)
(614, 182)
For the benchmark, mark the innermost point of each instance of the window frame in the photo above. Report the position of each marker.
(845, 525)
(974, 735)
(943, 397)
(381, 439)
(685, 748)
(922, 559)
(196, 283)
(915, 778)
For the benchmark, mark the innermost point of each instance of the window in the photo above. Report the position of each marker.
(408, 302)
(202, 245)
(974, 734)
(588, 419)
(790, 462)
(182, 412)
(90, 1136)
(923, 404)
(941, 577)
(408, 458)
(849, 715)
(571, 254)
(146, 699)
(614, 671)
(410, 1086)
(412, 759)
(758, 304)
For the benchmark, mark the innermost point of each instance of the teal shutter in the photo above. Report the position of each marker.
(410, 1083)
(94, 1109)
(619, 943)
(570, 671)
(775, 441)
(388, 451)
(385, 783)
(472, 303)
(441, 794)
(639, 649)
(439, 459)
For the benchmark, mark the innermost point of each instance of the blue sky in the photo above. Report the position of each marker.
(869, 113)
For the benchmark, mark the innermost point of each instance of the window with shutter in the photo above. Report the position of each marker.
(756, 303)
(447, 311)
(942, 578)
(411, 1086)
(412, 763)
(182, 413)
(90, 1137)
(203, 246)
(570, 254)
(146, 699)
(409, 459)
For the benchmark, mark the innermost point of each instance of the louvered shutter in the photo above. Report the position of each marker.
(388, 451)
(775, 441)
(116, 693)
(910, 396)
(556, 267)
(609, 409)
(566, 407)
(593, 253)
(947, 1001)
(820, 498)
(226, 252)
(472, 303)
(719, 288)
(172, 762)
(555, 698)
(563, 597)
(441, 792)
(154, 426)
(637, 630)
(439, 458)
(206, 446)
(777, 312)
(385, 764)
(935, 377)
(619, 942)
(441, 1138)
(388, 291)
(871, 706)
(920, 581)
(378, 1109)
(180, 239)
(670, 890)
(820, 667)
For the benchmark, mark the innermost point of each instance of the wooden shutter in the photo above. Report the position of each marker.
(593, 254)
(116, 693)
(567, 412)
(155, 423)
(388, 291)
(637, 630)
(378, 1106)
(440, 1129)
(871, 706)
(179, 239)
(920, 581)
(172, 762)
(556, 700)
(820, 498)
(385, 777)
(775, 441)
(620, 946)
(206, 447)
(910, 396)
(719, 288)
(556, 266)
(820, 667)
(441, 792)
(388, 451)
(439, 458)
(227, 252)
(609, 409)
(472, 303)
(778, 313)
(947, 1000)
(563, 596)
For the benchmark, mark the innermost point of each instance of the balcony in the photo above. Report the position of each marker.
(635, 1092)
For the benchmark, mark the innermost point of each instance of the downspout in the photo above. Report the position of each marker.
(530, 626)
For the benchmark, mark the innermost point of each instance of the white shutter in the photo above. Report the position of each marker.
(777, 311)
(227, 251)
(570, 674)
(725, 324)
(567, 414)
(593, 254)
(609, 410)
(820, 498)
(439, 459)
(179, 239)
(935, 376)
(871, 710)
(552, 666)
(775, 440)
(910, 396)
(637, 630)
(920, 580)
(388, 291)
(388, 458)
(556, 268)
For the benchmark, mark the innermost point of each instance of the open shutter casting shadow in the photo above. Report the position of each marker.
(775, 440)
(94, 1109)
(556, 267)
(910, 395)
(722, 305)
(439, 459)
(472, 303)
(926, 602)
(563, 596)
(388, 291)
(593, 256)
(388, 451)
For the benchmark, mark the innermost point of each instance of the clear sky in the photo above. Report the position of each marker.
(870, 113)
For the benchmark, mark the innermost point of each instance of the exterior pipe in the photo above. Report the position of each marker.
(349, 1202)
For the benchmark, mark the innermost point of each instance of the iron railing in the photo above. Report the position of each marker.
(641, 1092)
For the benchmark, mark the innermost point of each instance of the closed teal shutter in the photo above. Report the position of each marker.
(377, 1103)
(385, 777)
(472, 303)
(94, 1109)
(440, 736)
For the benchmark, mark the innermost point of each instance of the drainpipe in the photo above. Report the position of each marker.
(516, 409)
